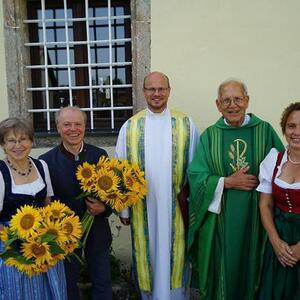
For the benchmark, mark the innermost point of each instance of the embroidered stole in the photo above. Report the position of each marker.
(135, 147)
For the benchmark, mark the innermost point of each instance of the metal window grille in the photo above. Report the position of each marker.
(80, 55)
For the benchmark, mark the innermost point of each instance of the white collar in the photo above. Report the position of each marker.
(80, 149)
(245, 122)
(150, 113)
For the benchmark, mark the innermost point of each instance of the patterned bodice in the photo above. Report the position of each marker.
(286, 199)
(13, 201)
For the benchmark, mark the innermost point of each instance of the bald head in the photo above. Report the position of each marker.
(156, 74)
(156, 91)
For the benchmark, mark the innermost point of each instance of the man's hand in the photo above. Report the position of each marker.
(125, 221)
(240, 180)
(94, 206)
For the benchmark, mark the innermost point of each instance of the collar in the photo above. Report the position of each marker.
(245, 122)
(70, 155)
(150, 113)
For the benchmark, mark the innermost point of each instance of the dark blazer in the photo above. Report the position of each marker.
(62, 167)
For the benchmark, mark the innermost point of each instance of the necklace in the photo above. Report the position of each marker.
(26, 173)
(293, 162)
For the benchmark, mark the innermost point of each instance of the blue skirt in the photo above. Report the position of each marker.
(15, 285)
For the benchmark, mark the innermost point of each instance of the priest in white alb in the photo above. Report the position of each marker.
(162, 141)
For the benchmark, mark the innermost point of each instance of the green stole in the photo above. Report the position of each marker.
(226, 249)
(135, 147)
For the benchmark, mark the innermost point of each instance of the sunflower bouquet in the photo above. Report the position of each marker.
(37, 238)
(115, 182)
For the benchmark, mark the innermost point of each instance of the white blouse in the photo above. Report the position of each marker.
(31, 188)
(266, 170)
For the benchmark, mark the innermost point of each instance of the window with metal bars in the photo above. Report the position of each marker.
(80, 54)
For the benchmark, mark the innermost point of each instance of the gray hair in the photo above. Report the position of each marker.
(234, 81)
(17, 126)
(73, 108)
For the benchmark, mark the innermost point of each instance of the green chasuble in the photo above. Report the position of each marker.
(226, 249)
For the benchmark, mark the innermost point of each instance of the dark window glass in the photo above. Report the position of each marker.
(87, 74)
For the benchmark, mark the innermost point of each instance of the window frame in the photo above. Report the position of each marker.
(18, 77)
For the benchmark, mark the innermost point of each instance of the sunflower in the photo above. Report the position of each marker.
(55, 229)
(129, 180)
(41, 268)
(140, 189)
(112, 197)
(56, 258)
(28, 269)
(132, 198)
(106, 180)
(56, 211)
(121, 204)
(25, 221)
(143, 192)
(72, 228)
(116, 164)
(85, 172)
(70, 247)
(11, 262)
(138, 173)
(25, 268)
(88, 186)
(102, 163)
(4, 237)
(35, 250)
(125, 163)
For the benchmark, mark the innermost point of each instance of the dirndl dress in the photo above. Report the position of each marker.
(278, 282)
(15, 285)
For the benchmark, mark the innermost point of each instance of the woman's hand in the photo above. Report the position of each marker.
(296, 251)
(284, 253)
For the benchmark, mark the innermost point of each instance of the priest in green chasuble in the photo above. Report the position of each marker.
(226, 238)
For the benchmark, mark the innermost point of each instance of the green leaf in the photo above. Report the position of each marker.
(22, 260)
(82, 195)
(47, 237)
(8, 253)
(11, 240)
(55, 249)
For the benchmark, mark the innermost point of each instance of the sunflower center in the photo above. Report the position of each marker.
(38, 250)
(27, 221)
(55, 213)
(53, 232)
(129, 181)
(112, 196)
(86, 173)
(105, 182)
(69, 228)
(125, 199)
(89, 183)
(43, 267)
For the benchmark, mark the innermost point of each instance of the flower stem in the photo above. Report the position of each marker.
(86, 222)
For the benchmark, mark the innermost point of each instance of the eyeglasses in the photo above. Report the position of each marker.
(12, 142)
(153, 90)
(236, 100)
